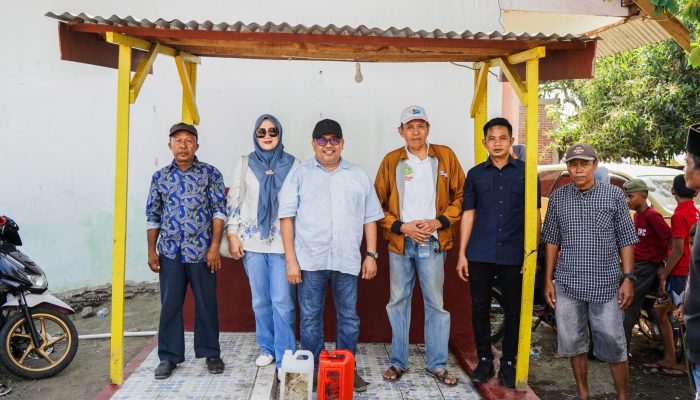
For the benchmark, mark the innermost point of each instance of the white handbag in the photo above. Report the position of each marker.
(223, 247)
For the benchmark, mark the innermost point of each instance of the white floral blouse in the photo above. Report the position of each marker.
(243, 221)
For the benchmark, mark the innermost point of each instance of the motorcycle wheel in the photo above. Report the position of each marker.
(59, 344)
(497, 316)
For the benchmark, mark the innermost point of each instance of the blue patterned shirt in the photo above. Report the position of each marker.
(182, 205)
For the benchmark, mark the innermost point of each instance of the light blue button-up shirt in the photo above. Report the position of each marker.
(330, 210)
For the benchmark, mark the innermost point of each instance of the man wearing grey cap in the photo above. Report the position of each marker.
(325, 204)
(185, 214)
(588, 231)
(420, 188)
(689, 309)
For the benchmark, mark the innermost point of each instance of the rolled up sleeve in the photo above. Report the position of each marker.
(217, 199)
(154, 205)
(289, 195)
(550, 229)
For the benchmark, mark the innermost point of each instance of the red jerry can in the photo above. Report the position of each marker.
(336, 373)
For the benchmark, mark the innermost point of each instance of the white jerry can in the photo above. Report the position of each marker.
(296, 375)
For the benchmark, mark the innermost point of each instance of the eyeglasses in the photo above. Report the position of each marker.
(273, 132)
(323, 141)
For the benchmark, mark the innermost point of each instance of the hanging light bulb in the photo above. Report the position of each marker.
(358, 73)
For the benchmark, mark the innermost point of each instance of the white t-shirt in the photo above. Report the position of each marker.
(244, 222)
(419, 190)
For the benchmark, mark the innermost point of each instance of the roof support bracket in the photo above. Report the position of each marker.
(185, 69)
(141, 73)
(514, 78)
(479, 85)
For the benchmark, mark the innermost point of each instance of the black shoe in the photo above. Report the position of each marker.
(359, 383)
(215, 365)
(507, 374)
(483, 371)
(165, 369)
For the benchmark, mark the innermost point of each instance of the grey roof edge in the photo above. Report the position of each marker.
(287, 28)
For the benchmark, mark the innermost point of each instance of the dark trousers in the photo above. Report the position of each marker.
(645, 272)
(481, 279)
(174, 277)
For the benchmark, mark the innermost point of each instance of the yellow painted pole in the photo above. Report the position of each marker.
(116, 364)
(481, 114)
(530, 263)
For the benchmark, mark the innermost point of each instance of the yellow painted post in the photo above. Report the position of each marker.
(481, 94)
(530, 263)
(116, 365)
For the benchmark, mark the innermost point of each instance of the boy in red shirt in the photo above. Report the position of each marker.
(654, 240)
(674, 274)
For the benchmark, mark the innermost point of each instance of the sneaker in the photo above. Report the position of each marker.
(264, 360)
(359, 383)
(507, 374)
(484, 371)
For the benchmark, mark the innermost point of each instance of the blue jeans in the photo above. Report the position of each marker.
(174, 277)
(696, 377)
(312, 298)
(273, 303)
(431, 274)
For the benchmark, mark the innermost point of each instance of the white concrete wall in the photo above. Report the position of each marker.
(58, 133)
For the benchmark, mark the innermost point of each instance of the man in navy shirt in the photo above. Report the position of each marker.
(492, 244)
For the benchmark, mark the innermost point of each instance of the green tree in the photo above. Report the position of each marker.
(638, 105)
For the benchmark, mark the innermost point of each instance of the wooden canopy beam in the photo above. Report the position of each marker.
(668, 22)
(141, 44)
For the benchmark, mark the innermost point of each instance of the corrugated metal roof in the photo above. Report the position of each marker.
(271, 27)
(633, 33)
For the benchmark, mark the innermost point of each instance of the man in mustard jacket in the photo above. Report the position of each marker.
(420, 188)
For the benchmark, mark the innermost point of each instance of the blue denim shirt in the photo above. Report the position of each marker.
(182, 205)
(330, 210)
(498, 196)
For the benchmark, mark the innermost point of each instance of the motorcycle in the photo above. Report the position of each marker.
(37, 340)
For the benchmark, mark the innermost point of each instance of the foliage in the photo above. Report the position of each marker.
(665, 6)
(638, 105)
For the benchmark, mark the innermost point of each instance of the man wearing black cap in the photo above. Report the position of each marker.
(185, 214)
(689, 309)
(588, 231)
(325, 205)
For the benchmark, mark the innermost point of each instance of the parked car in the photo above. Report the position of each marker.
(555, 176)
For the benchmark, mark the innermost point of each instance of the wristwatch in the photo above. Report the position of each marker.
(629, 276)
(372, 254)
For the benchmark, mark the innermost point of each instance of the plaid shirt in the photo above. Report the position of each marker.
(182, 204)
(590, 229)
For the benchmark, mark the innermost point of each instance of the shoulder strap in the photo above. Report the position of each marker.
(241, 190)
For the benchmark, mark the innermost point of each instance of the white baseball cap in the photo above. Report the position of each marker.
(413, 112)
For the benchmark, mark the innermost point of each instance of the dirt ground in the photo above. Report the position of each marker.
(550, 377)
(89, 371)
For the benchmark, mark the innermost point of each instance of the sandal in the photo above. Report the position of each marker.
(4, 389)
(443, 376)
(674, 373)
(397, 374)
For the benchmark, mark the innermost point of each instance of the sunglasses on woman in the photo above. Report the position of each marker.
(273, 132)
(323, 141)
